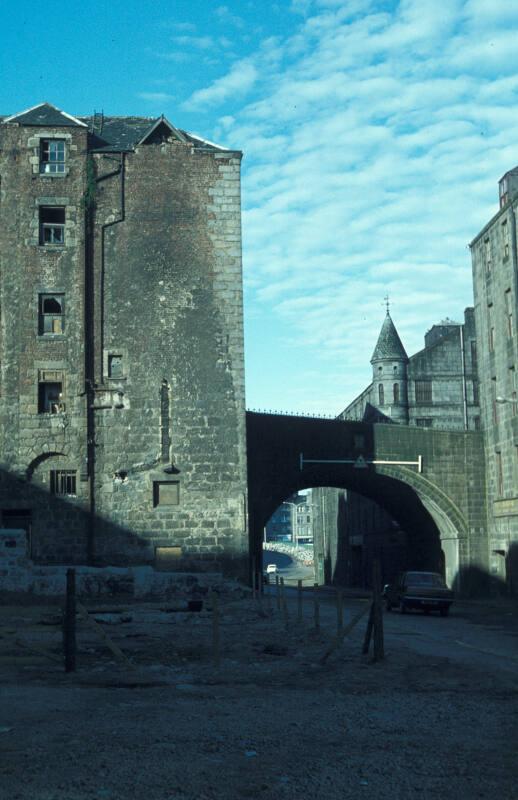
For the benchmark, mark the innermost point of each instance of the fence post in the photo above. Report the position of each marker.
(284, 604)
(379, 648)
(278, 592)
(299, 600)
(339, 611)
(69, 623)
(316, 609)
(215, 629)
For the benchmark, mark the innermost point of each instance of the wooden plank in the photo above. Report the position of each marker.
(117, 652)
(339, 639)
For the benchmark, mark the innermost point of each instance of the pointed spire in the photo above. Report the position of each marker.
(389, 344)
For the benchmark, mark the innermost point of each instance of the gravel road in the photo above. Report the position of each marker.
(270, 721)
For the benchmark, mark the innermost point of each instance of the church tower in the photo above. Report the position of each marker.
(389, 374)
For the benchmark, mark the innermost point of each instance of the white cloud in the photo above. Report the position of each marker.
(238, 80)
(373, 144)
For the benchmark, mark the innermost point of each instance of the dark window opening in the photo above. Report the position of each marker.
(166, 493)
(381, 394)
(63, 482)
(50, 392)
(424, 422)
(115, 366)
(51, 314)
(52, 156)
(423, 392)
(19, 519)
(396, 393)
(52, 225)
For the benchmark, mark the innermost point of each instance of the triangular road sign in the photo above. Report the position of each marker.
(360, 463)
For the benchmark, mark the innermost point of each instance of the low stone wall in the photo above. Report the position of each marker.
(300, 554)
(18, 573)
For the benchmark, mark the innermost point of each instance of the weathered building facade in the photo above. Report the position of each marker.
(122, 420)
(495, 284)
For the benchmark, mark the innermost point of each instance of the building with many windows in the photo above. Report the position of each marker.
(122, 420)
(495, 284)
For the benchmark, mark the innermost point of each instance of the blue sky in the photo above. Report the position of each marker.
(374, 134)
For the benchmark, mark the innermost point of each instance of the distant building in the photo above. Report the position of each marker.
(292, 521)
(436, 387)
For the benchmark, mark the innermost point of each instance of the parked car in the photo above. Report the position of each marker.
(422, 590)
(271, 569)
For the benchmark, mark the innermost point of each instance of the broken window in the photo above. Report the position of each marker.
(52, 156)
(52, 225)
(51, 313)
(63, 482)
(50, 392)
(115, 366)
(166, 493)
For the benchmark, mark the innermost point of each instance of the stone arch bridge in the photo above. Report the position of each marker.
(431, 481)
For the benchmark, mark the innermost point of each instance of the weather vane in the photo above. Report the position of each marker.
(387, 302)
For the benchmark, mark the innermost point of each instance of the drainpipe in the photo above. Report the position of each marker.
(464, 390)
(90, 339)
(514, 262)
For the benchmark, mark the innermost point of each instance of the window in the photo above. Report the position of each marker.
(381, 394)
(51, 314)
(115, 366)
(52, 225)
(493, 400)
(166, 493)
(505, 238)
(50, 392)
(63, 482)
(52, 156)
(499, 473)
(491, 327)
(424, 422)
(512, 383)
(396, 393)
(423, 392)
(476, 422)
(487, 254)
(509, 312)
(476, 393)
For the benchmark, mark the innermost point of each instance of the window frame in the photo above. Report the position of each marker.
(46, 164)
(43, 315)
(63, 479)
(51, 377)
(51, 227)
(423, 392)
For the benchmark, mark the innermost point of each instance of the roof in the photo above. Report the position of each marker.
(389, 344)
(111, 134)
(45, 114)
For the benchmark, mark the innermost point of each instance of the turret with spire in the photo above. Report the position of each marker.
(389, 373)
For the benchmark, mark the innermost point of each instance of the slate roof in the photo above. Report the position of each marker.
(389, 344)
(107, 134)
(45, 114)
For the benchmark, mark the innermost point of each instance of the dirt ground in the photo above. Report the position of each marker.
(269, 722)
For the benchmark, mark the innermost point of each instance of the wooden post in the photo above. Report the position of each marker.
(254, 579)
(339, 611)
(69, 623)
(368, 632)
(379, 649)
(316, 609)
(284, 604)
(215, 630)
(278, 592)
(299, 601)
(341, 636)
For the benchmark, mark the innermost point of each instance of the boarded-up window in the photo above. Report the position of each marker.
(166, 493)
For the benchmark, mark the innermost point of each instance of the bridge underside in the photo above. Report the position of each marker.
(439, 504)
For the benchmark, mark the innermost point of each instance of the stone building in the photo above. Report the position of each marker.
(122, 420)
(437, 388)
(495, 283)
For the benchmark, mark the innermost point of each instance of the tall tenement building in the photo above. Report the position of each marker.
(122, 420)
(495, 282)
